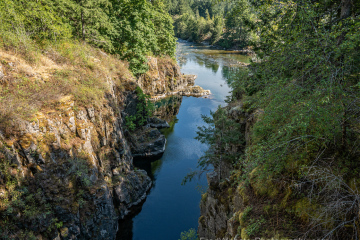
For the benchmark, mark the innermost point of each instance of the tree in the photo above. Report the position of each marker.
(89, 20)
(225, 140)
(36, 20)
(306, 84)
(141, 29)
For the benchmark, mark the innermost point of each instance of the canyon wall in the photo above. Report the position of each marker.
(68, 173)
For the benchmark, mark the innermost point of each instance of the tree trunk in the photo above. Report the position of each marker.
(345, 8)
(345, 13)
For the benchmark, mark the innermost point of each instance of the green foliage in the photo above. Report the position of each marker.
(238, 25)
(141, 29)
(144, 110)
(245, 214)
(255, 226)
(303, 96)
(58, 225)
(189, 235)
(225, 23)
(89, 19)
(18, 200)
(130, 122)
(222, 134)
(132, 29)
(24, 23)
(225, 140)
(34, 19)
(79, 167)
(305, 101)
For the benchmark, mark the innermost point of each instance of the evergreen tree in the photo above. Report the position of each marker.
(89, 19)
(141, 29)
(37, 20)
(225, 140)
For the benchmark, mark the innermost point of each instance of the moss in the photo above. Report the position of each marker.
(244, 234)
(243, 216)
(202, 220)
(241, 189)
(204, 197)
(263, 186)
(285, 200)
(303, 208)
(64, 232)
(26, 140)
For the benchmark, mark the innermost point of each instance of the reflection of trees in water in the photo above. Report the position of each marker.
(208, 57)
(167, 108)
(230, 72)
(209, 63)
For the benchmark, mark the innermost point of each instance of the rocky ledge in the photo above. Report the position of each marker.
(148, 142)
(164, 78)
(156, 122)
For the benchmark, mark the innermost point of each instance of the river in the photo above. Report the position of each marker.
(171, 208)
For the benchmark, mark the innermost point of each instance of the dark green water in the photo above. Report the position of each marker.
(171, 208)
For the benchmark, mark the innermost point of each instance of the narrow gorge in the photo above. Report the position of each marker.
(73, 165)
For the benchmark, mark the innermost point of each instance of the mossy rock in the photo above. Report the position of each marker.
(244, 234)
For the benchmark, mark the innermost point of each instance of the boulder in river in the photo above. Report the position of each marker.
(147, 142)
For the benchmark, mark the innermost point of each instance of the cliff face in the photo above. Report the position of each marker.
(79, 162)
(67, 173)
(164, 78)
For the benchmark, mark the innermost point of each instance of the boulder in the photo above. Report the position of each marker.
(157, 123)
(147, 142)
(133, 185)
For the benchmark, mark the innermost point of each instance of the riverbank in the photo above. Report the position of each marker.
(65, 142)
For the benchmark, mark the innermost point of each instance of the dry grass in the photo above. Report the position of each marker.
(64, 69)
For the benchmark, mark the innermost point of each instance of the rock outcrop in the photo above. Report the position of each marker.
(69, 169)
(79, 163)
(156, 122)
(148, 143)
(164, 78)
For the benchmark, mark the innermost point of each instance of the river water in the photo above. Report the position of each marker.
(171, 208)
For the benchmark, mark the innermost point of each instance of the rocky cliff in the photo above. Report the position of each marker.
(79, 164)
(164, 78)
(67, 171)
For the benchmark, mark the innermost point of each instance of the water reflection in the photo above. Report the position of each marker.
(171, 208)
(209, 57)
(168, 108)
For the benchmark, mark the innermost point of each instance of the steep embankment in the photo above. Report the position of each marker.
(244, 206)
(66, 164)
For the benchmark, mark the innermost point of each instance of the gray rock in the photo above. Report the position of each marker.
(103, 224)
(147, 143)
(134, 186)
(212, 179)
(157, 123)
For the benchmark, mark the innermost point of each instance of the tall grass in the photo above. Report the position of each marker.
(56, 70)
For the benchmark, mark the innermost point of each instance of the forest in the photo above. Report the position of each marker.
(132, 29)
(228, 24)
(294, 159)
(298, 153)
